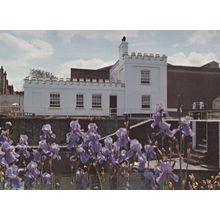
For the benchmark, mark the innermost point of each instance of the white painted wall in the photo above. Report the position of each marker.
(128, 70)
(134, 89)
(37, 97)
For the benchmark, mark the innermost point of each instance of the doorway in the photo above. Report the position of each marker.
(113, 105)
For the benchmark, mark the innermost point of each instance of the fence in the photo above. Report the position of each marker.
(12, 110)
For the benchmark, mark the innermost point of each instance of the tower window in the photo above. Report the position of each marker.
(145, 101)
(145, 77)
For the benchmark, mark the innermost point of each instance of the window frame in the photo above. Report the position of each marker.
(55, 100)
(145, 79)
(79, 103)
(96, 105)
(146, 104)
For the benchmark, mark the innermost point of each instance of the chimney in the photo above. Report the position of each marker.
(123, 47)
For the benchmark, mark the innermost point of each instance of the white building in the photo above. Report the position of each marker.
(137, 82)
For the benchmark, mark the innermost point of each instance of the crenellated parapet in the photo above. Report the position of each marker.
(144, 56)
(72, 83)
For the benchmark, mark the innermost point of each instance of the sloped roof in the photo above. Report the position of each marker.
(101, 73)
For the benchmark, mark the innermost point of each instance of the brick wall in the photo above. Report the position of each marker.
(193, 84)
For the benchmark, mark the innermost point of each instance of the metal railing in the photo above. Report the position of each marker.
(205, 113)
(10, 110)
(88, 112)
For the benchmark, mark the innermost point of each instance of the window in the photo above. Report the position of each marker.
(145, 76)
(79, 101)
(145, 101)
(54, 100)
(96, 101)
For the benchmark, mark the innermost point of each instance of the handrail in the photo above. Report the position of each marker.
(133, 126)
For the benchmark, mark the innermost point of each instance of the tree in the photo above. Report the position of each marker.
(41, 74)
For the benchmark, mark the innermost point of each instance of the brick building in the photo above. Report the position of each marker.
(98, 74)
(194, 84)
(5, 88)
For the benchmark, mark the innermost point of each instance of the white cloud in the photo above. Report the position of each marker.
(64, 69)
(17, 54)
(201, 37)
(34, 49)
(66, 36)
(192, 59)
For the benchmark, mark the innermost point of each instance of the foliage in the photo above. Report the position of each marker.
(41, 74)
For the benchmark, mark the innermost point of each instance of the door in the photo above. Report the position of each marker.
(113, 105)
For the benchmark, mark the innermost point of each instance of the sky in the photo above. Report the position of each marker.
(58, 51)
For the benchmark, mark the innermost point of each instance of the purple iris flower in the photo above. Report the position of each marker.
(185, 126)
(75, 126)
(158, 121)
(157, 115)
(32, 171)
(75, 135)
(11, 157)
(36, 156)
(123, 138)
(92, 127)
(108, 142)
(149, 180)
(107, 149)
(157, 171)
(101, 158)
(82, 178)
(135, 149)
(84, 157)
(96, 147)
(11, 174)
(123, 155)
(115, 158)
(4, 137)
(135, 145)
(116, 148)
(91, 136)
(91, 141)
(141, 162)
(166, 171)
(46, 132)
(10, 154)
(83, 154)
(23, 139)
(55, 149)
(46, 177)
(149, 152)
(22, 146)
(106, 152)
(3, 162)
(6, 147)
(44, 146)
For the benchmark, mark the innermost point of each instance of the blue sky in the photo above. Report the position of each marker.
(58, 51)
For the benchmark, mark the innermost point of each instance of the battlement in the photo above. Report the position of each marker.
(75, 82)
(144, 56)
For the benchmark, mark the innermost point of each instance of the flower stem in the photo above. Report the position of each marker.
(180, 159)
(97, 172)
